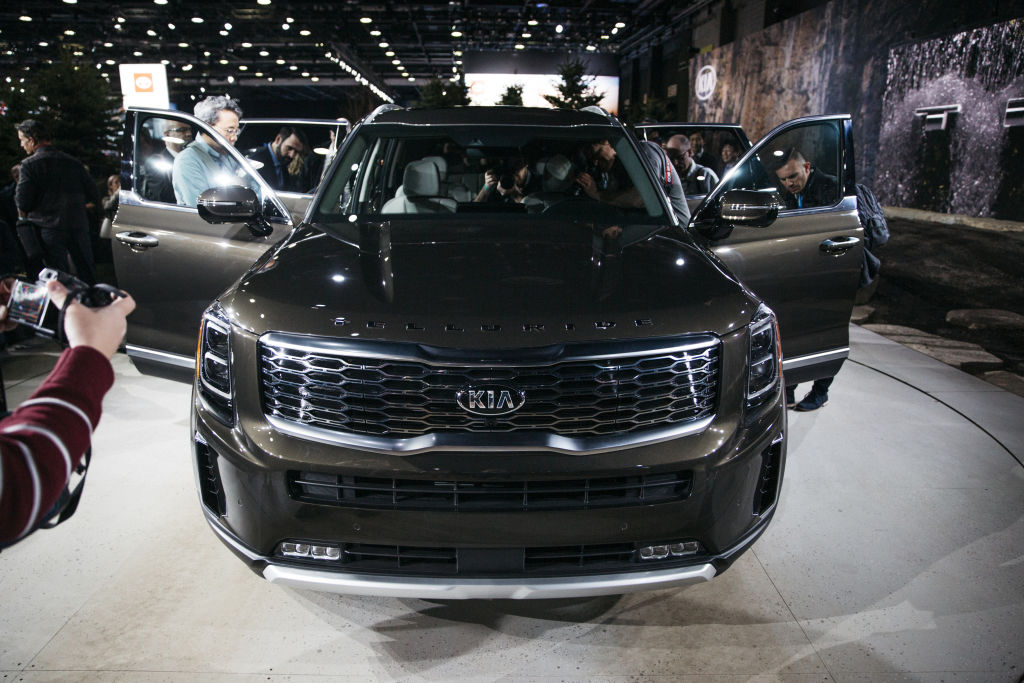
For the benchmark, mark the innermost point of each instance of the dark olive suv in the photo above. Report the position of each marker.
(426, 379)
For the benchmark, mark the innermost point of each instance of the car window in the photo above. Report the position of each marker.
(801, 164)
(390, 170)
(165, 141)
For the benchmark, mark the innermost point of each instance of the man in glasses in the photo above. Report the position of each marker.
(155, 178)
(206, 163)
(697, 179)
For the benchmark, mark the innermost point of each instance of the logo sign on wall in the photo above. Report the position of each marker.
(706, 80)
(144, 85)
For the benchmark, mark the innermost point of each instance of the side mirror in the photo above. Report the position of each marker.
(749, 207)
(233, 204)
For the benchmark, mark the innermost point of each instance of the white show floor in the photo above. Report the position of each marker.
(897, 554)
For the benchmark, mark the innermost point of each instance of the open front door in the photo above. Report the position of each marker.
(172, 261)
(806, 264)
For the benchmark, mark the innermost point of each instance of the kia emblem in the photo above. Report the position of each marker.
(490, 400)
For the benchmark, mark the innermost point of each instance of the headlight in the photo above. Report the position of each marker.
(765, 357)
(213, 363)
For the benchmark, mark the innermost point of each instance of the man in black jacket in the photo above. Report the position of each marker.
(53, 195)
(805, 185)
(278, 155)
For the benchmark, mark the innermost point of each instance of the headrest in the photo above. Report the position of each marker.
(421, 179)
(558, 174)
(442, 165)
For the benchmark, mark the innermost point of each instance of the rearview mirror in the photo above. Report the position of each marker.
(749, 207)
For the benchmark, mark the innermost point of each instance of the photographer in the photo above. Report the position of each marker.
(43, 441)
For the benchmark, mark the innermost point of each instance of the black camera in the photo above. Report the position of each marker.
(30, 301)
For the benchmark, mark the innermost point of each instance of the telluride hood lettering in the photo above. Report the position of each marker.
(524, 286)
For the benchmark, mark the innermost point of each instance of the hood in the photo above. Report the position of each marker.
(498, 286)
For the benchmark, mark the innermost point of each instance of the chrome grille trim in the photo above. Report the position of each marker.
(304, 394)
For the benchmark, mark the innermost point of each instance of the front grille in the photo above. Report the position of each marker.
(493, 562)
(401, 396)
(464, 496)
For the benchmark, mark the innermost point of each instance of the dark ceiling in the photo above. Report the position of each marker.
(299, 48)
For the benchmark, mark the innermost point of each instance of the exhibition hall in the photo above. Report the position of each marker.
(603, 340)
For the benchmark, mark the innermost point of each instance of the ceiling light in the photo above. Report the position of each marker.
(136, 54)
(170, 26)
(532, 22)
(374, 33)
(605, 37)
(457, 53)
(187, 67)
(558, 29)
(279, 61)
(43, 43)
(110, 61)
(619, 24)
(315, 79)
(396, 62)
(305, 32)
(264, 53)
(223, 61)
(293, 67)
(243, 67)
(120, 20)
(70, 2)
(151, 33)
(591, 48)
(614, 31)
(262, 2)
(290, 20)
(227, 26)
(390, 53)
(285, 27)
(405, 74)
(520, 46)
(25, 17)
(206, 53)
(382, 44)
(365, 20)
(305, 74)
(258, 74)
(182, 44)
(231, 79)
(527, 35)
(69, 32)
(411, 78)
(246, 44)
(456, 34)
(197, 20)
(159, 2)
(108, 45)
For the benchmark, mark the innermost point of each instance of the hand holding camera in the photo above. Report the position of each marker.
(94, 316)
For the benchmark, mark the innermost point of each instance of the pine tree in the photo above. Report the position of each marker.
(76, 104)
(576, 89)
(438, 93)
(513, 96)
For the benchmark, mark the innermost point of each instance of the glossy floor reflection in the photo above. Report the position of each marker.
(897, 554)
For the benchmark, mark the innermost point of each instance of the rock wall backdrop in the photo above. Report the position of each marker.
(861, 57)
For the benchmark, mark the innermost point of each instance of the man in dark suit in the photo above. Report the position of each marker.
(278, 160)
(805, 185)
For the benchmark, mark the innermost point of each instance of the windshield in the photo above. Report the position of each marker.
(588, 173)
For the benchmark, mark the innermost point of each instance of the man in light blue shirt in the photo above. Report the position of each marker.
(206, 163)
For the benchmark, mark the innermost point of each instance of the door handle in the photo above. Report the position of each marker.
(835, 246)
(137, 240)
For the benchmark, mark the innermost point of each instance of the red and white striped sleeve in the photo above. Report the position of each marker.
(44, 439)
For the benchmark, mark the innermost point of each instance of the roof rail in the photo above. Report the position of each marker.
(382, 109)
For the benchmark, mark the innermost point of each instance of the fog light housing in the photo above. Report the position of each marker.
(312, 551)
(673, 550)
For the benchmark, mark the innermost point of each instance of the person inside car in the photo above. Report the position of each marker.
(205, 163)
(155, 175)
